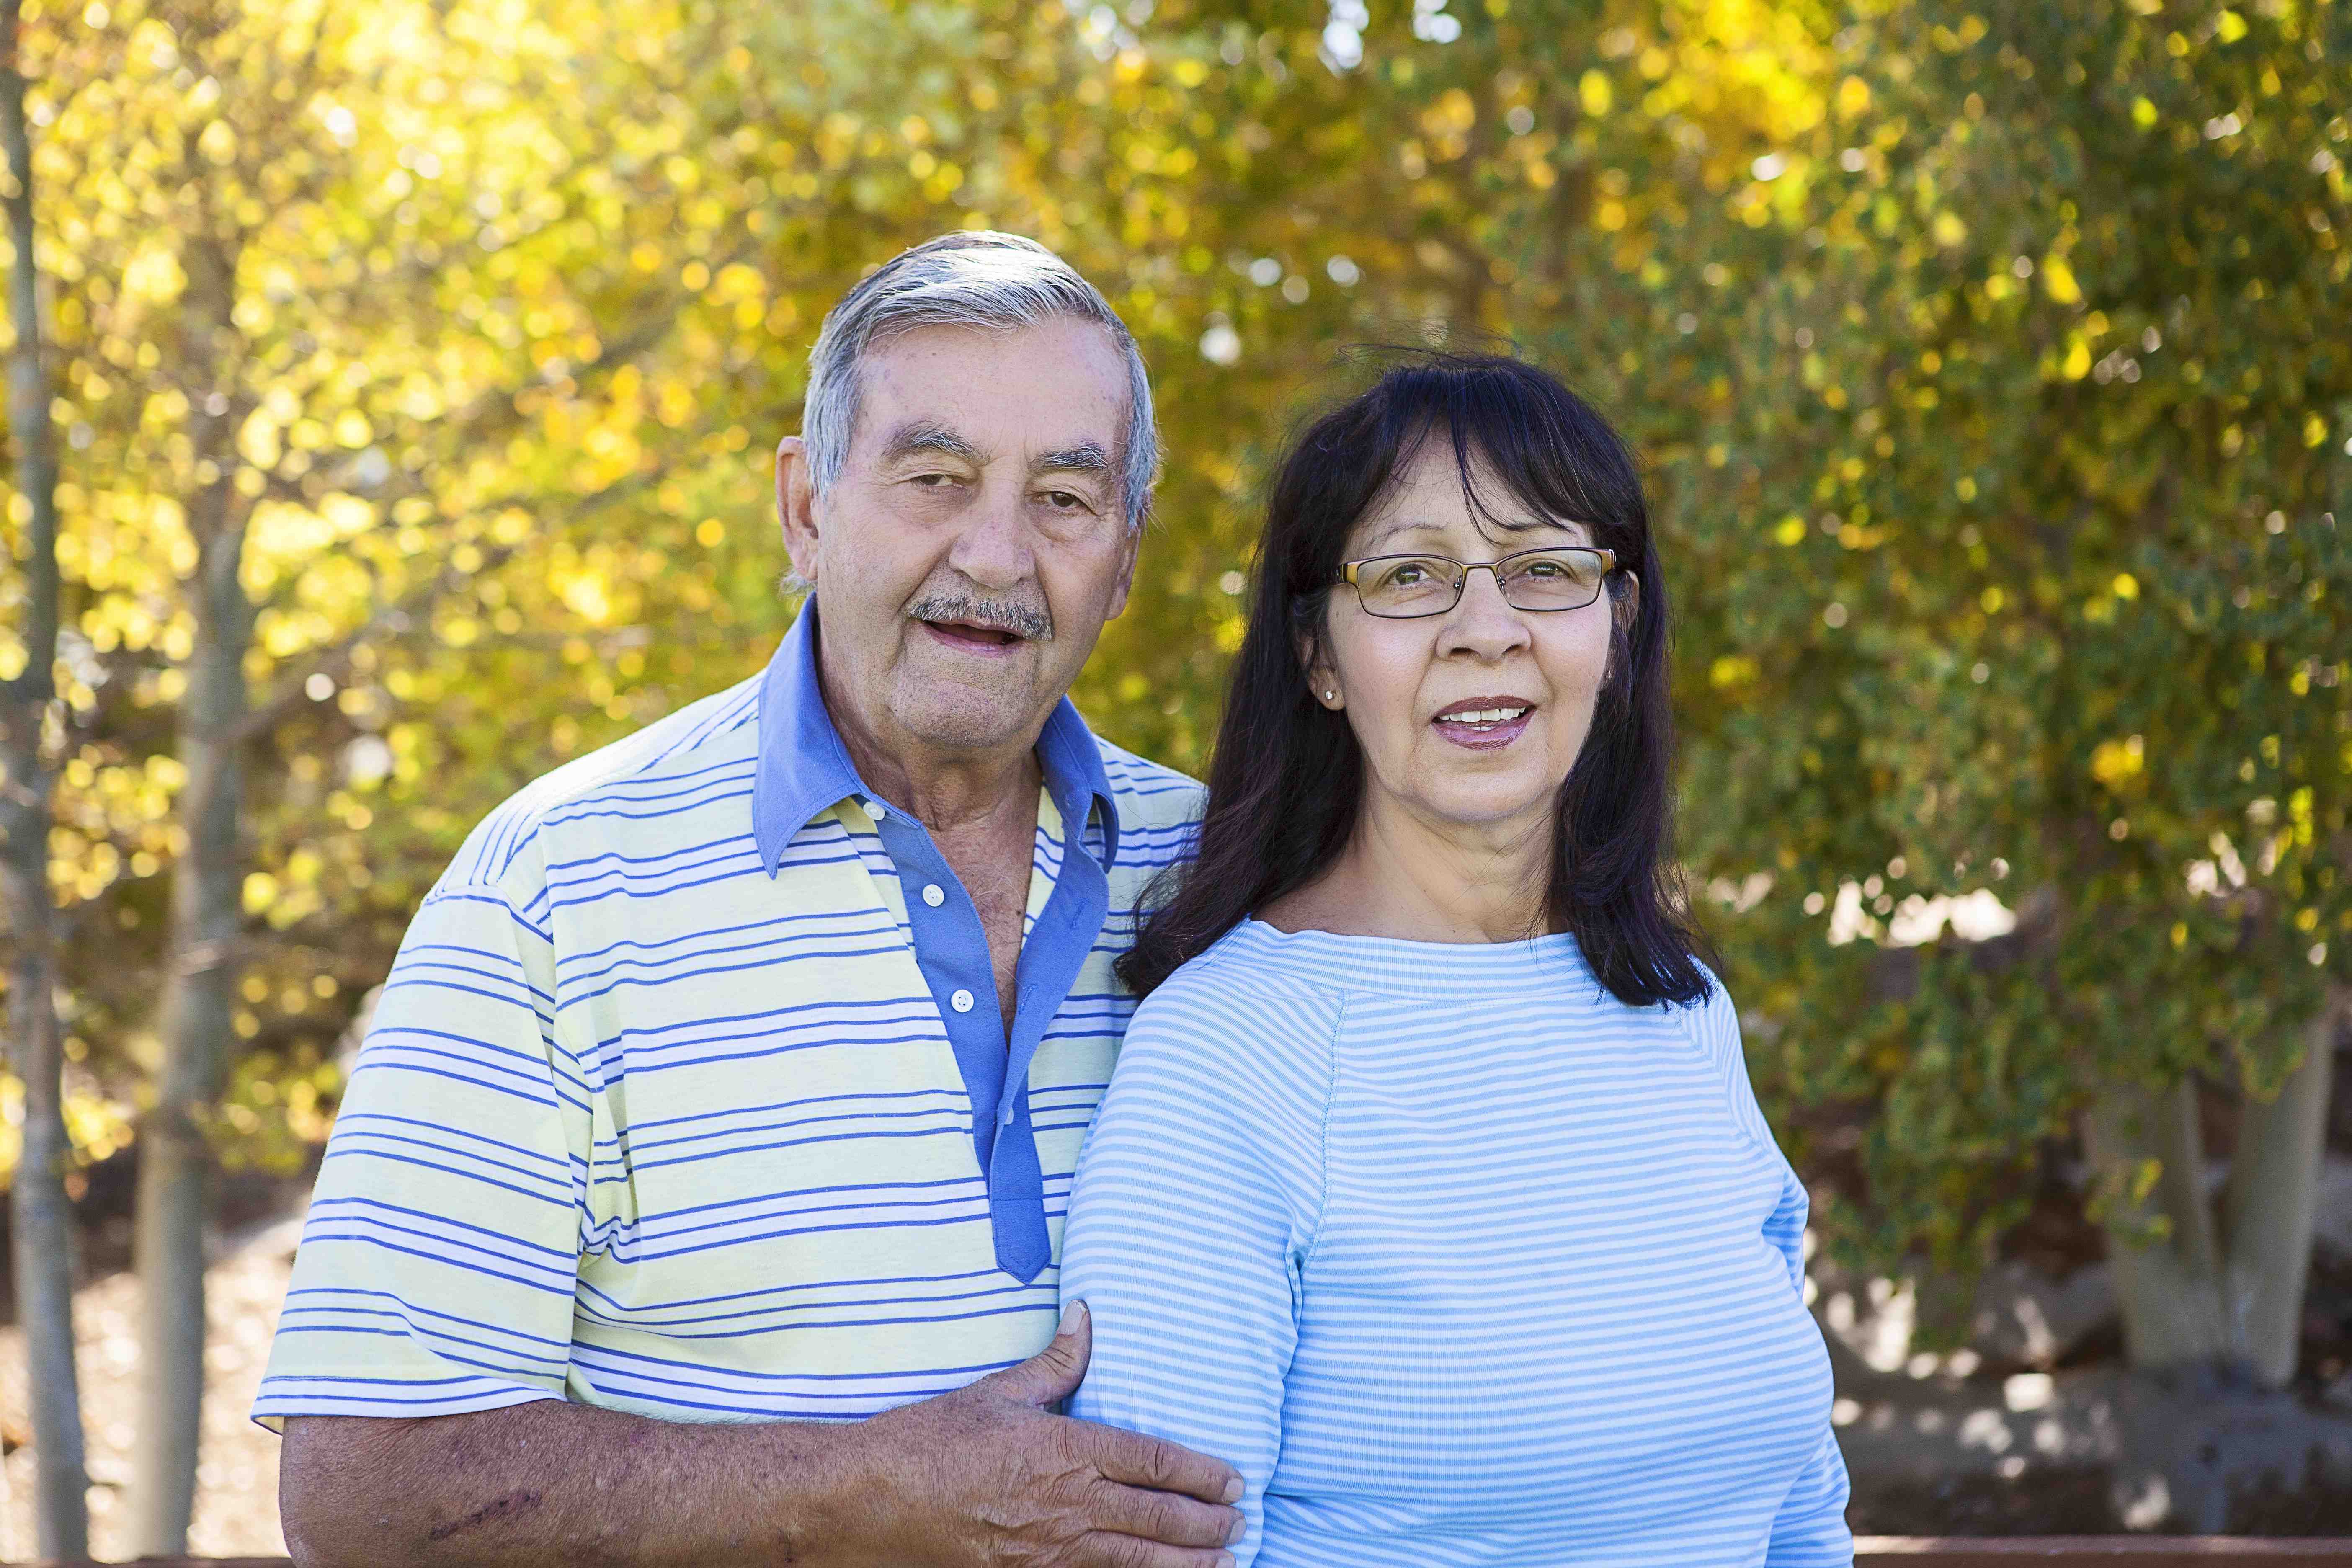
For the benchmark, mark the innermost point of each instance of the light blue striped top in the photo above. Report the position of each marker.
(1459, 1260)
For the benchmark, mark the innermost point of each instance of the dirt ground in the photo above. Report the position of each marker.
(236, 1481)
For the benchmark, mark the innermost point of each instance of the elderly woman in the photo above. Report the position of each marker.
(1430, 1190)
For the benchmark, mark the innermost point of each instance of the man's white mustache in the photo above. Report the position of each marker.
(1031, 622)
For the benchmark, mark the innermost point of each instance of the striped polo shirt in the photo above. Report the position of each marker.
(689, 1093)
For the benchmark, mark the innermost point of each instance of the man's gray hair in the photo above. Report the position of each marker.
(973, 279)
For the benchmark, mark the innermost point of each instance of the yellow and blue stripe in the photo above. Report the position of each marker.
(671, 1103)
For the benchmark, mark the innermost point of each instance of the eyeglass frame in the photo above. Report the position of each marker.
(1348, 569)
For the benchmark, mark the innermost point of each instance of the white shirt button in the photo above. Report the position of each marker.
(1005, 1115)
(876, 810)
(935, 895)
(960, 1001)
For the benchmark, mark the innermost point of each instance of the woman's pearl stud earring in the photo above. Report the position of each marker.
(1330, 696)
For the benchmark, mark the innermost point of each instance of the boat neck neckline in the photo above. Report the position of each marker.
(1327, 948)
(1548, 942)
(1552, 964)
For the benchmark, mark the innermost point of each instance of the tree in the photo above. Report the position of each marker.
(2034, 595)
(291, 405)
(41, 1222)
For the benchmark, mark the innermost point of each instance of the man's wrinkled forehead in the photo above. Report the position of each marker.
(1056, 390)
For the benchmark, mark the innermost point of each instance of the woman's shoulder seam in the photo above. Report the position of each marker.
(1732, 1060)
(1233, 968)
(1236, 995)
(1323, 1155)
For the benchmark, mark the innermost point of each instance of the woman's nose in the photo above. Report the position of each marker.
(1483, 622)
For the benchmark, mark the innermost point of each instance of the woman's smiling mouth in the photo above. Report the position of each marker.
(1483, 723)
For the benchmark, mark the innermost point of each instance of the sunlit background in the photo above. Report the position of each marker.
(413, 369)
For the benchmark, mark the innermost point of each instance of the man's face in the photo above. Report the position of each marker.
(977, 538)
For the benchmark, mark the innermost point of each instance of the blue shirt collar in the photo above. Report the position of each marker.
(805, 769)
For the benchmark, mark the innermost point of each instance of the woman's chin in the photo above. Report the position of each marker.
(1484, 806)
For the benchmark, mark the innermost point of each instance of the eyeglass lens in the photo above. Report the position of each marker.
(1406, 586)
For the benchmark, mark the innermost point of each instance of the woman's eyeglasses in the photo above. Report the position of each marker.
(1402, 587)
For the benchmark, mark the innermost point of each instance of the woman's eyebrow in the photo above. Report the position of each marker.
(1507, 524)
(1396, 526)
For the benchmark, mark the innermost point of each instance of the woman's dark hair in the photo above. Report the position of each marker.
(1286, 778)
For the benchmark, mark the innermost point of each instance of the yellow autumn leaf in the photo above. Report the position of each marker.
(2116, 762)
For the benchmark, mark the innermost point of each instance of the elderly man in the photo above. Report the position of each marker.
(694, 1199)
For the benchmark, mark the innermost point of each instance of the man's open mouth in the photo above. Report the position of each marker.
(971, 635)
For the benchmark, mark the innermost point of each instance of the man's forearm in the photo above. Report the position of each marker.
(979, 1476)
(551, 1483)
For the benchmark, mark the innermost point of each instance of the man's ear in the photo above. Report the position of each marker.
(796, 505)
(1130, 549)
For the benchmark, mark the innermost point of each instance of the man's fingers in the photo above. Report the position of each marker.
(1169, 1518)
(1105, 1550)
(1133, 1459)
(1056, 1371)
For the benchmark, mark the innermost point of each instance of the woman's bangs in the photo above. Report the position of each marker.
(1526, 452)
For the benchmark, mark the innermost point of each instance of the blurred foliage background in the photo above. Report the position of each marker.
(417, 365)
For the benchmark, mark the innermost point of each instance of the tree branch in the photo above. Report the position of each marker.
(289, 696)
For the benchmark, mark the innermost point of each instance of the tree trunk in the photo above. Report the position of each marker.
(41, 1222)
(2211, 1327)
(2170, 1288)
(207, 917)
(2271, 1202)
(2233, 1303)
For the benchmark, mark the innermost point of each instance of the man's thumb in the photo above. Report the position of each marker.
(1054, 1373)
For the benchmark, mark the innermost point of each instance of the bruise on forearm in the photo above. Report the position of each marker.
(513, 1503)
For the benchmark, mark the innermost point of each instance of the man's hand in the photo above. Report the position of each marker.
(985, 1476)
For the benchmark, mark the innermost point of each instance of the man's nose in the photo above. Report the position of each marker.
(996, 548)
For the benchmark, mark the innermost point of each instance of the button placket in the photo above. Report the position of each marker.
(952, 956)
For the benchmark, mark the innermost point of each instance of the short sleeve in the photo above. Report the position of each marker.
(438, 1261)
(1193, 1217)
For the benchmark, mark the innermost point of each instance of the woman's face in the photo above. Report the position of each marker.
(1473, 717)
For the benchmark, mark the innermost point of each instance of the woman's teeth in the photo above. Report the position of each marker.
(1485, 716)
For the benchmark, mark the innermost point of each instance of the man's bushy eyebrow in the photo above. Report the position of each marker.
(1087, 457)
(923, 436)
